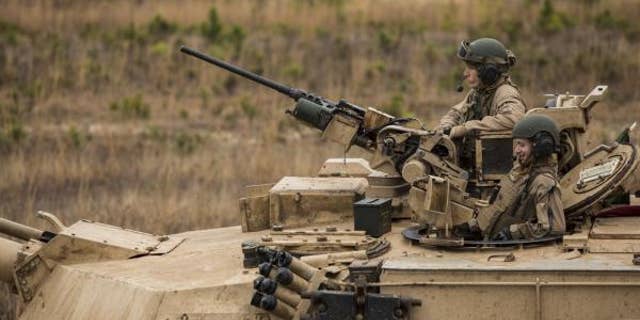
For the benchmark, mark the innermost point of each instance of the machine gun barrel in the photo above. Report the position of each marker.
(295, 94)
(19, 231)
(310, 109)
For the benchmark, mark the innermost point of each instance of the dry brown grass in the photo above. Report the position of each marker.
(183, 162)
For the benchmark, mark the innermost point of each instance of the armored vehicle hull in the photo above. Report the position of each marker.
(203, 278)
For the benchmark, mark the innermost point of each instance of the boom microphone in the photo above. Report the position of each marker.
(460, 87)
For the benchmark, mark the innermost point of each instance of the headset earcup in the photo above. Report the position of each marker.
(488, 73)
(543, 145)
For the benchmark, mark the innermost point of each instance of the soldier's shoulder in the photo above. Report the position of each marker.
(544, 182)
(507, 90)
(545, 178)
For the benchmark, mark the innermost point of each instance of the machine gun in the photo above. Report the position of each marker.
(314, 110)
(342, 122)
(401, 147)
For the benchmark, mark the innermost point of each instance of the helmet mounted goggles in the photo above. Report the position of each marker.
(465, 53)
(485, 50)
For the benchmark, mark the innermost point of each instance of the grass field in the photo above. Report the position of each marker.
(102, 118)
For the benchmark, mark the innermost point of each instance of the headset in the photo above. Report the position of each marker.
(489, 73)
(543, 145)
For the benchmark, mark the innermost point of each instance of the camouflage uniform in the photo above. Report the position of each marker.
(528, 204)
(494, 108)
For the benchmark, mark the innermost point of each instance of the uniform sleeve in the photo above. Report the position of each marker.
(456, 115)
(549, 214)
(510, 108)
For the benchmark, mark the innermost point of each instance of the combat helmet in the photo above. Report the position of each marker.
(486, 50)
(541, 130)
(489, 56)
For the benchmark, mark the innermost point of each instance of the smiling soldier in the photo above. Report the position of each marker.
(528, 205)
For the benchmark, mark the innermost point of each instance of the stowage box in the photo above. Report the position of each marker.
(373, 216)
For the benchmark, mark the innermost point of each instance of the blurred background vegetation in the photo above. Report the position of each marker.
(102, 118)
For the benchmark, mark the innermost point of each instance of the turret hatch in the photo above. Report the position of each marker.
(596, 178)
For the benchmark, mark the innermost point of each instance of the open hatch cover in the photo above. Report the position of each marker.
(596, 177)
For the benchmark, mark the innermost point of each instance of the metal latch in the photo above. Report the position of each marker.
(505, 257)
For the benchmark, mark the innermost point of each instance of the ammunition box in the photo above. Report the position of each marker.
(373, 216)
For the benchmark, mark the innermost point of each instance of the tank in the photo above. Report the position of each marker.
(363, 239)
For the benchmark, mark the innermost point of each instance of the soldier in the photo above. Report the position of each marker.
(528, 205)
(493, 103)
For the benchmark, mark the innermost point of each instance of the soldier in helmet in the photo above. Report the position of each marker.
(493, 103)
(528, 205)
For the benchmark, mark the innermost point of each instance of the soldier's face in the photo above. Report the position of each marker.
(522, 150)
(471, 76)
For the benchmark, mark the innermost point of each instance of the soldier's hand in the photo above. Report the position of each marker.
(443, 130)
(457, 132)
(503, 235)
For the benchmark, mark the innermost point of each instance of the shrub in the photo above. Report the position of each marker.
(155, 133)
(396, 106)
(248, 108)
(605, 20)
(160, 48)
(293, 70)
(160, 27)
(205, 98)
(4, 141)
(16, 132)
(550, 20)
(9, 32)
(77, 138)
(212, 28)
(131, 107)
(385, 40)
(11, 129)
(235, 38)
(375, 68)
(186, 143)
(133, 34)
